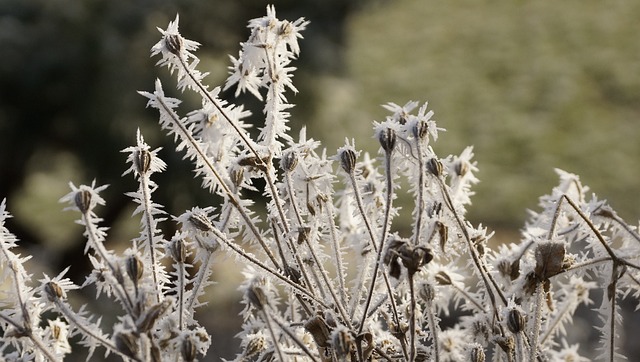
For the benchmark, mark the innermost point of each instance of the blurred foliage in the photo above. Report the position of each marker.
(533, 85)
(68, 103)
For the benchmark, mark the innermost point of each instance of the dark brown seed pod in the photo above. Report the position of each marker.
(515, 321)
(142, 161)
(387, 139)
(348, 160)
(477, 354)
(289, 161)
(256, 296)
(342, 343)
(178, 251)
(319, 330)
(550, 257)
(188, 349)
(83, 200)
(135, 268)
(435, 167)
(53, 291)
(420, 129)
(173, 42)
(201, 222)
(151, 315)
(127, 344)
(442, 278)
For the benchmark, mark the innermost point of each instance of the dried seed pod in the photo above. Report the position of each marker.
(178, 250)
(256, 296)
(53, 291)
(550, 257)
(255, 346)
(477, 354)
(146, 321)
(442, 278)
(188, 349)
(387, 139)
(427, 292)
(289, 161)
(135, 268)
(127, 344)
(515, 321)
(507, 344)
(435, 167)
(303, 234)
(319, 330)
(342, 343)
(415, 258)
(237, 176)
(461, 168)
(443, 231)
(421, 129)
(142, 161)
(83, 201)
(201, 222)
(348, 160)
(173, 42)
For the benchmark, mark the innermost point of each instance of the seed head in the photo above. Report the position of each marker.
(201, 222)
(387, 139)
(289, 161)
(53, 291)
(127, 344)
(178, 250)
(188, 349)
(427, 292)
(515, 321)
(348, 160)
(435, 167)
(142, 160)
(135, 268)
(342, 343)
(83, 200)
(256, 296)
(173, 42)
(421, 129)
(477, 354)
(319, 330)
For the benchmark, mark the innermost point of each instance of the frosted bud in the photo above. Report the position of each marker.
(442, 278)
(83, 200)
(188, 349)
(477, 354)
(134, 268)
(319, 330)
(178, 250)
(256, 296)
(342, 343)
(420, 129)
(427, 292)
(127, 344)
(201, 222)
(289, 161)
(173, 43)
(515, 321)
(435, 167)
(147, 320)
(387, 139)
(142, 161)
(348, 160)
(53, 291)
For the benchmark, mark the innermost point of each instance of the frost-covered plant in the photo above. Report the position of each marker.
(327, 276)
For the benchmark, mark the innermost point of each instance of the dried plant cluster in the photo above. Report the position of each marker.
(328, 278)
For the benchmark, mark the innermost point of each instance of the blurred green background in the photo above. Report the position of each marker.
(532, 85)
